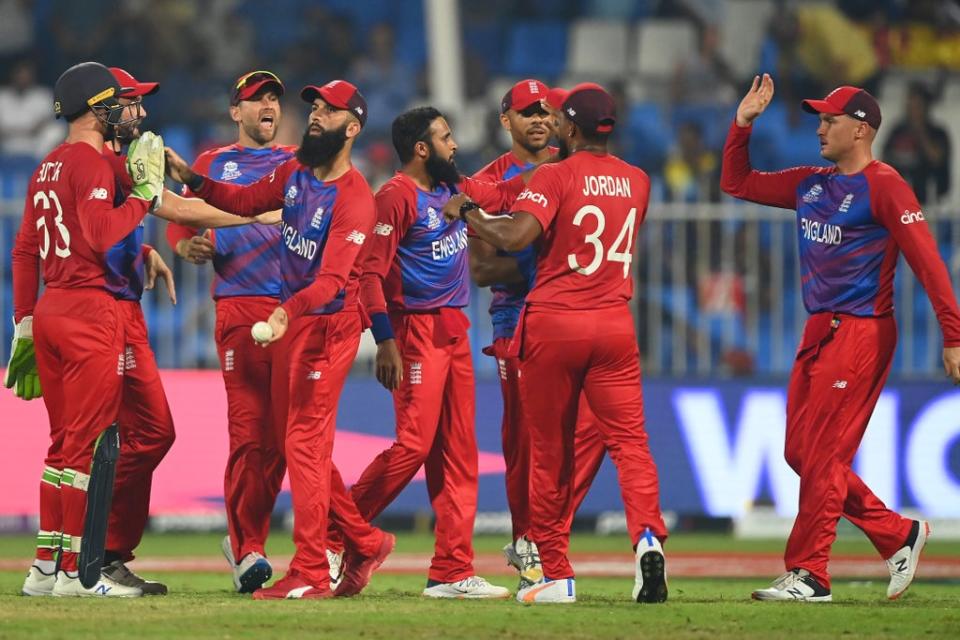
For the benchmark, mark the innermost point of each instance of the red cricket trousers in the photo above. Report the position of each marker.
(841, 366)
(434, 409)
(515, 434)
(256, 380)
(78, 337)
(146, 434)
(564, 355)
(322, 350)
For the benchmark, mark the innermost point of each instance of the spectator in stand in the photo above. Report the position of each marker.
(389, 84)
(920, 149)
(692, 170)
(26, 125)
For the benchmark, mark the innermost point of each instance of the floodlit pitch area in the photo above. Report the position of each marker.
(201, 603)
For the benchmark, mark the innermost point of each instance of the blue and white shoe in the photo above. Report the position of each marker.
(252, 571)
(650, 581)
(549, 592)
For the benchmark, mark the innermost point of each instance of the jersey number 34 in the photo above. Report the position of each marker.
(614, 254)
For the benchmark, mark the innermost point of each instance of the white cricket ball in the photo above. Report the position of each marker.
(261, 332)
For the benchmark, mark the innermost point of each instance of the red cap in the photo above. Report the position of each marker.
(846, 100)
(250, 84)
(523, 94)
(340, 94)
(587, 104)
(130, 87)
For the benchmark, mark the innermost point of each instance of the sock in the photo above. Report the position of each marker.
(74, 500)
(51, 516)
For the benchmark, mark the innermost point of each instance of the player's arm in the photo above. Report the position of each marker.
(394, 215)
(894, 201)
(102, 224)
(25, 261)
(262, 196)
(194, 212)
(737, 177)
(494, 196)
(488, 267)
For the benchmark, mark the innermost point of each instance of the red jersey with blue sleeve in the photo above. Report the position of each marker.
(417, 260)
(323, 229)
(69, 223)
(851, 230)
(590, 207)
(507, 299)
(247, 258)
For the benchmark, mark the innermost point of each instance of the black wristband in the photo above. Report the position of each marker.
(467, 206)
(195, 183)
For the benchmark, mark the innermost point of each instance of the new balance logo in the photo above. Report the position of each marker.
(313, 375)
(909, 217)
(102, 589)
(99, 193)
(383, 229)
(356, 237)
(840, 384)
(901, 565)
(795, 592)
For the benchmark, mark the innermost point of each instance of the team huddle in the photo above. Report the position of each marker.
(307, 257)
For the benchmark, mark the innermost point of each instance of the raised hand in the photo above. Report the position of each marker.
(756, 100)
(145, 164)
(177, 167)
(451, 210)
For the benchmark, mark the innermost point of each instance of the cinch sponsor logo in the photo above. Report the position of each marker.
(532, 196)
(606, 186)
(449, 245)
(821, 232)
(909, 217)
(383, 229)
(303, 247)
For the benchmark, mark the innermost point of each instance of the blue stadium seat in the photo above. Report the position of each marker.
(15, 172)
(537, 49)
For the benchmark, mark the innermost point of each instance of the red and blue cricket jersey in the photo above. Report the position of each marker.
(507, 299)
(418, 260)
(124, 261)
(323, 228)
(247, 258)
(851, 231)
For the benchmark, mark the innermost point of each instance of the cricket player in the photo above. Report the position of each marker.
(328, 214)
(246, 288)
(414, 287)
(853, 220)
(145, 423)
(576, 336)
(509, 277)
(71, 223)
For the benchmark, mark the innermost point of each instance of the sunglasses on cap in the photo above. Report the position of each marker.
(256, 76)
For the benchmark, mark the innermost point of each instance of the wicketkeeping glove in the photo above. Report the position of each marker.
(145, 164)
(21, 373)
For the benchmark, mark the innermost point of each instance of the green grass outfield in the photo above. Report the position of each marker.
(202, 605)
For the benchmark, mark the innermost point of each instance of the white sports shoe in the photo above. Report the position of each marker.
(472, 587)
(523, 555)
(69, 586)
(549, 591)
(903, 564)
(252, 572)
(38, 583)
(335, 560)
(797, 584)
(650, 577)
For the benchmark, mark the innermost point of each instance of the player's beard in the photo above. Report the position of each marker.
(318, 150)
(534, 148)
(440, 170)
